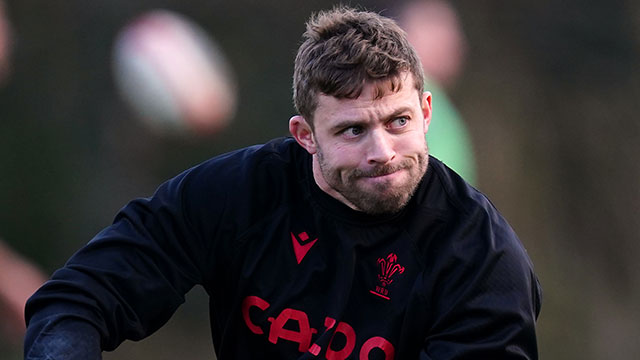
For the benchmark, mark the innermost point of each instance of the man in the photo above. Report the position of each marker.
(345, 241)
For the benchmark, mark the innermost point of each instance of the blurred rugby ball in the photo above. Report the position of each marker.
(173, 75)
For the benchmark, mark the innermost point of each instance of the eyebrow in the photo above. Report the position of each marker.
(347, 123)
(398, 112)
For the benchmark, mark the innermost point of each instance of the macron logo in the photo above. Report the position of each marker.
(301, 246)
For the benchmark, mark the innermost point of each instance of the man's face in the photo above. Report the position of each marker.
(371, 153)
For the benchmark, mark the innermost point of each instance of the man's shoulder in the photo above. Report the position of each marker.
(460, 206)
(248, 176)
(473, 223)
(251, 162)
(447, 192)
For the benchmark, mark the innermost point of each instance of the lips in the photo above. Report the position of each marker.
(383, 181)
(381, 171)
(382, 175)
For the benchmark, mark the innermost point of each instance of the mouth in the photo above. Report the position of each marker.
(384, 171)
(385, 175)
(382, 177)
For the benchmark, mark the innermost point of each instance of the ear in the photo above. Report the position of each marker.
(302, 132)
(425, 104)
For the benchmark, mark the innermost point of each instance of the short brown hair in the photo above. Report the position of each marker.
(345, 48)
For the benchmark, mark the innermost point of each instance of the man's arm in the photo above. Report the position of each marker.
(124, 284)
(488, 298)
(64, 339)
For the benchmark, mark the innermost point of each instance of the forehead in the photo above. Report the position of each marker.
(370, 104)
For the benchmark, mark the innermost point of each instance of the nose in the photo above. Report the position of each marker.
(381, 148)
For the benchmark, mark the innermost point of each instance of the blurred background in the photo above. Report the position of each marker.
(549, 94)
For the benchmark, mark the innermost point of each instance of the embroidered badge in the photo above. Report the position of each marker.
(389, 267)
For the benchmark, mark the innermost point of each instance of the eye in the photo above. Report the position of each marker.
(399, 122)
(353, 131)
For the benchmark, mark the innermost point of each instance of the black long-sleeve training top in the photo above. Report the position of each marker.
(293, 273)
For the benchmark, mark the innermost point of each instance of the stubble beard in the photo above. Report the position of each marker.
(382, 198)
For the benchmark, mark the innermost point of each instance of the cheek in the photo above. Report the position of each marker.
(343, 154)
(413, 144)
(341, 159)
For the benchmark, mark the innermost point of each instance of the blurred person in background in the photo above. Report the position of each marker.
(19, 279)
(434, 30)
(343, 241)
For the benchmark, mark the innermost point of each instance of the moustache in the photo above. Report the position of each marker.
(381, 170)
